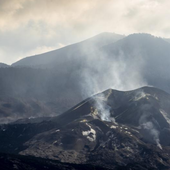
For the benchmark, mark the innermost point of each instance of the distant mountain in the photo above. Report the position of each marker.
(167, 39)
(145, 58)
(113, 129)
(71, 52)
(2, 65)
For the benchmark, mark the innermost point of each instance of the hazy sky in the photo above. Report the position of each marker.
(29, 27)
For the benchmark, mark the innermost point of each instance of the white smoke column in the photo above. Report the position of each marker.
(146, 124)
(153, 132)
(107, 70)
(104, 70)
(103, 108)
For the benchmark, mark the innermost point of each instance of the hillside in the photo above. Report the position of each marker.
(111, 129)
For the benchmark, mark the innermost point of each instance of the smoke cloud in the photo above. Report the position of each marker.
(110, 71)
(149, 126)
(103, 109)
(147, 122)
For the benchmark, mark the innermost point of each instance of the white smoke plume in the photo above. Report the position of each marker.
(149, 126)
(103, 108)
(105, 71)
(148, 123)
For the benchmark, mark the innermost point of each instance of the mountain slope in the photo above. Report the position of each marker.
(10, 162)
(3, 65)
(28, 92)
(111, 129)
(167, 39)
(145, 54)
(69, 52)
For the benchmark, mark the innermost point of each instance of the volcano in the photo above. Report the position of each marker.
(111, 129)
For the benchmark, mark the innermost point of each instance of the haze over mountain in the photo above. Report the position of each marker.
(51, 83)
(71, 52)
(144, 58)
(113, 129)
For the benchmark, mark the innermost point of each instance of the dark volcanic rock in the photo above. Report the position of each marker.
(113, 129)
(10, 162)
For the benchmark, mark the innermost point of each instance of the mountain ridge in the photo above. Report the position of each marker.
(3, 65)
(94, 41)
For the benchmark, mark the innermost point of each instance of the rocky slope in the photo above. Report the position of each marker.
(111, 129)
(11, 162)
